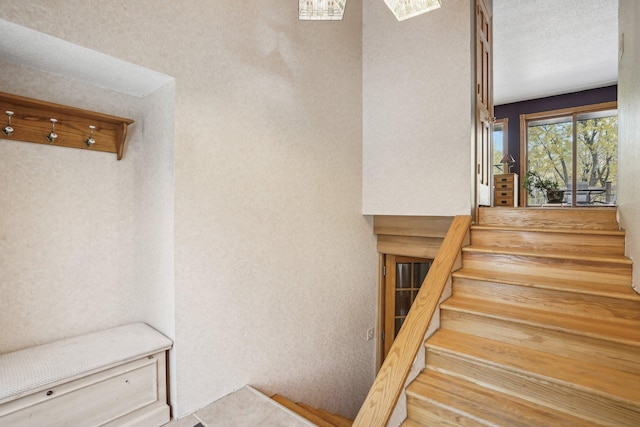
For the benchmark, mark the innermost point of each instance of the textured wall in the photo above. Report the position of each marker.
(629, 131)
(80, 231)
(275, 266)
(417, 115)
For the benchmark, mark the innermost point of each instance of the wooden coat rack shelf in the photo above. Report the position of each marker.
(31, 122)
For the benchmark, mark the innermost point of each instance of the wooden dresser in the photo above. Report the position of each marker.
(505, 192)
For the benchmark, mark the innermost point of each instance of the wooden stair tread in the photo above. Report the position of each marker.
(617, 259)
(559, 301)
(410, 423)
(489, 406)
(596, 350)
(568, 285)
(560, 240)
(580, 231)
(305, 413)
(621, 331)
(545, 367)
(334, 419)
(554, 300)
(542, 327)
(591, 218)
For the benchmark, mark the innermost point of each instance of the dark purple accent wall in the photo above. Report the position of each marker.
(576, 99)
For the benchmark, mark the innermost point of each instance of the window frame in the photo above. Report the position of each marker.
(505, 142)
(572, 112)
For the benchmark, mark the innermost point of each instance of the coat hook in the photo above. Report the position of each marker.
(53, 135)
(90, 141)
(8, 130)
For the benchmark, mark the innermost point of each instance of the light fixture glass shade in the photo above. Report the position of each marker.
(405, 9)
(323, 10)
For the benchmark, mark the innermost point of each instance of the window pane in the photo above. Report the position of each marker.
(398, 325)
(550, 154)
(498, 149)
(403, 275)
(403, 303)
(421, 270)
(597, 160)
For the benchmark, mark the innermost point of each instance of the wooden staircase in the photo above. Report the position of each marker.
(542, 329)
(317, 416)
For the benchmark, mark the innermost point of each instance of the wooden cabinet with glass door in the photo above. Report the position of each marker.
(403, 279)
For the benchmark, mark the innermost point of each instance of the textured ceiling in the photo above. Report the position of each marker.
(550, 47)
(541, 48)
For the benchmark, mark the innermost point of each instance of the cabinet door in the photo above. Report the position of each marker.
(403, 279)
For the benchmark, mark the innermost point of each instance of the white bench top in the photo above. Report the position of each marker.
(50, 364)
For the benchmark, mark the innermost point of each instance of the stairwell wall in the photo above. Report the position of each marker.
(417, 111)
(275, 266)
(629, 131)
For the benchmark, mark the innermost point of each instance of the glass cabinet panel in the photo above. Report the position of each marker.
(409, 277)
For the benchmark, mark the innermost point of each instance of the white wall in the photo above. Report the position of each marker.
(69, 225)
(417, 115)
(629, 131)
(275, 266)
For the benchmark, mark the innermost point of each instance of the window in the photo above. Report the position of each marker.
(577, 149)
(500, 146)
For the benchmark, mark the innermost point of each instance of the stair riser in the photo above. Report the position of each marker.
(453, 398)
(587, 218)
(431, 414)
(566, 344)
(568, 242)
(590, 271)
(609, 290)
(551, 300)
(578, 402)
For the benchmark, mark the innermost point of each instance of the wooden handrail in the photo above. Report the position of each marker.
(387, 387)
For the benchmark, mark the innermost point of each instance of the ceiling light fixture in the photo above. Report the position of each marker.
(321, 10)
(405, 9)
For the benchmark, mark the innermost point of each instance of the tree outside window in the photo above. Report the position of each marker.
(550, 153)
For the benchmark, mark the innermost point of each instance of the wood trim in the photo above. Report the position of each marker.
(390, 304)
(418, 247)
(524, 194)
(305, 413)
(573, 112)
(574, 157)
(387, 387)
(505, 130)
(416, 226)
(612, 105)
(381, 306)
(32, 123)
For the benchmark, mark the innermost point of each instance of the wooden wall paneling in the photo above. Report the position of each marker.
(420, 247)
(418, 226)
